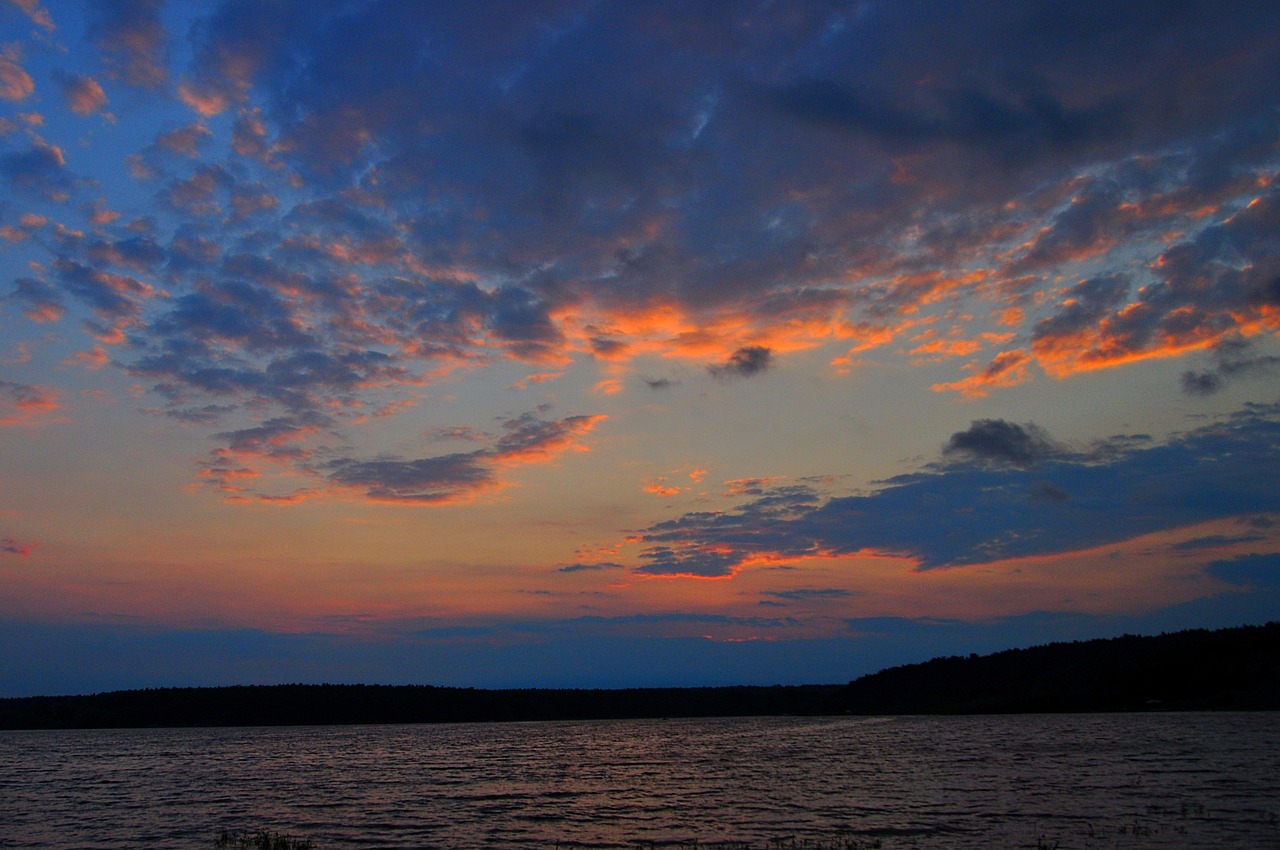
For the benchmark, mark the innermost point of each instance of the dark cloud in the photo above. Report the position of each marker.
(1043, 490)
(138, 253)
(1233, 358)
(589, 567)
(42, 300)
(198, 195)
(84, 95)
(520, 319)
(407, 187)
(456, 477)
(1256, 570)
(15, 82)
(1215, 541)
(40, 170)
(184, 140)
(806, 593)
(132, 38)
(529, 438)
(743, 363)
(112, 296)
(969, 116)
(695, 562)
(289, 443)
(12, 546)
(966, 514)
(25, 404)
(999, 442)
(527, 136)
(459, 432)
(433, 480)
(1209, 289)
(1201, 383)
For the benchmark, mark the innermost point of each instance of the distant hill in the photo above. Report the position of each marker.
(1232, 669)
(1228, 669)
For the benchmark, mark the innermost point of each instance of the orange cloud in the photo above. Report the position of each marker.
(26, 404)
(15, 83)
(659, 487)
(184, 140)
(205, 102)
(537, 378)
(1108, 344)
(11, 546)
(95, 358)
(84, 94)
(38, 14)
(532, 440)
(1006, 369)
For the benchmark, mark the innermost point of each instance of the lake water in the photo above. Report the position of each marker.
(1080, 781)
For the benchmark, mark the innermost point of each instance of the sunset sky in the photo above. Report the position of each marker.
(629, 343)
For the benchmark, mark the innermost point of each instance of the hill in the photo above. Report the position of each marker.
(1233, 669)
(1228, 669)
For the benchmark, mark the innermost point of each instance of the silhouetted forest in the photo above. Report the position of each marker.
(1229, 669)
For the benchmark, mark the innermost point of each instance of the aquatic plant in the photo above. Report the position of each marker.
(260, 839)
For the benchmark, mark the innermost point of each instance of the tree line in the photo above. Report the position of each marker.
(1227, 669)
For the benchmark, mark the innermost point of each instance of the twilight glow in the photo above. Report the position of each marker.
(580, 343)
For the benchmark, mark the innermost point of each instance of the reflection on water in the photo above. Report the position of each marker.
(1082, 781)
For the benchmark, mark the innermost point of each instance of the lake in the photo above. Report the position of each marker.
(1078, 781)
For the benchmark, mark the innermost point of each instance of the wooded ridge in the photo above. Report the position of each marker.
(1227, 669)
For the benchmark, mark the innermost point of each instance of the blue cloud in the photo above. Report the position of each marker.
(1249, 570)
(963, 514)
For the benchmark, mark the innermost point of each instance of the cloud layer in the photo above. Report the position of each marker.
(1009, 492)
(814, 284)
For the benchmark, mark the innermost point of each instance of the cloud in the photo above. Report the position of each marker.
(132, 38)
(1006, 369)
(1210, 290)
(37, 13)
(458, 477)
(594, 566)
(262, 462)
(1233, 358)
(42, 300)
(40, 170)
(116, 298)
(802, 594)
(425, 481)
(1215, 541)
(529, 439)
(458, 432)
(184, 140)
(11, 546)
(15, 83)
(398, 191)
(1257, 570)
(195, 195)
(743, 363)
(967, 514)
(999, 442)
(84, 95)
(25, 404)
(250, 200)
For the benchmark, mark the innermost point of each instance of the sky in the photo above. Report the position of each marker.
(594, 344)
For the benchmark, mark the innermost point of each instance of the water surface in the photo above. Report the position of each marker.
(1166, 781)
